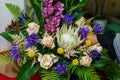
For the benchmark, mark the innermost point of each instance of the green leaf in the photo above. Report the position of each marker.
(78, 16)
(5, 57)
(14, 9)
(78, 6)
(27, 71)
(101, 62)
(7, 36)
(50, 75)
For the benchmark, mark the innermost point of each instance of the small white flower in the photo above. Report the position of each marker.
(33, 28)
(80, 22)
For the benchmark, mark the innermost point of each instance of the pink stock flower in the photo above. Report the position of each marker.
(59, 6)
(55, 21)
(59, 14)
(47, 3)
(47, 11)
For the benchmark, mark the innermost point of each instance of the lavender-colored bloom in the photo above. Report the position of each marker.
(94, 54)
(24, 16)
(47, 3)
(55, 21)
(68, 18)
(61, 67)
(59, 6)
(15, 53)
(83, 32)
(47, 11)
(20, 20)
(32, 39)
(97, 28)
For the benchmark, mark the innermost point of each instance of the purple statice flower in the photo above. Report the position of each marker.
(15, 53)
(83, 32)
(68, 18)
(32, 39)
(22, 18)
(50, 28)
(47, 11)
(59, 6)
(61, 67)
(47, 3)
(94, 54)
(97, 28)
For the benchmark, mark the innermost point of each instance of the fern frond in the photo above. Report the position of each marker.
(5, 57)
(86, 73)
(49, 75)
(14, 9)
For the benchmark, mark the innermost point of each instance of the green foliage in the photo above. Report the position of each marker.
(84, 73)
(112, 70)
(14, 9)
(27, 71)
(5, 57)
(7, 36)
(49, 75)
(37, 5)
(78, 6)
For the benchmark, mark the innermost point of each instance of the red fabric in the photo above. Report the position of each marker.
(2, 77)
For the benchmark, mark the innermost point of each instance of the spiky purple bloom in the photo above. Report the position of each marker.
(83, 32)
(47, 3)
(47, 11)
(68, 18)
(32, 40)
(97, 28)
(61, 67)
(94, 54)
(59, 6)
(15, 53)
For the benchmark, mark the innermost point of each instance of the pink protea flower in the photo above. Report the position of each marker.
(47, 11)
(47, 2)
(59, 6)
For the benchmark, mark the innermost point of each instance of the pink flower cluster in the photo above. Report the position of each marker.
(53, 15)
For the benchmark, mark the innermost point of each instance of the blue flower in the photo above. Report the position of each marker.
(15, 53)
(83, 32)
(32, 39)
(97, 28)
(94, 54)
(61, 67)
(68, 18)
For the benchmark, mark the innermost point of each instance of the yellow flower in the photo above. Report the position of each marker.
(75, 62)
(31, 53)
(88, 42)
(60, 50)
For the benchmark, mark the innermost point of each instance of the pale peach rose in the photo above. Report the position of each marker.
(33, 28)
(86, 61)
(80, 21)
(47, 60)
(48, 42)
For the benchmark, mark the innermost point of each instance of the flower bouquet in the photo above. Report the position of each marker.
(55, 44)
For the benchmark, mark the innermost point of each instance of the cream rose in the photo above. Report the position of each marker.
(86, 61)
(48, 42)
(33, 28)
(80, 21)
(47, 60)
